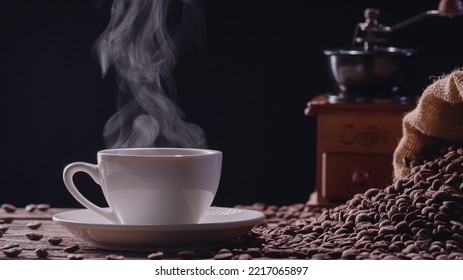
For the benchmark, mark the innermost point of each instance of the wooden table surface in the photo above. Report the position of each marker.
(15, 226)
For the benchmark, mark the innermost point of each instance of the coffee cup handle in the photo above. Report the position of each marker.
(94, 173)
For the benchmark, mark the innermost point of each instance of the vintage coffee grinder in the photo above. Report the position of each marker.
(360, 123)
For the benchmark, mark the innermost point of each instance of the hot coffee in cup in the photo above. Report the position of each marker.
(151, 186)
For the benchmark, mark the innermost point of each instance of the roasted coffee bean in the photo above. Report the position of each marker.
(114, 257)
(439, 196)
(398, 217)
(402, 227)
(75, 257)
(156, 256)
(34, 236)
(9, 208)
(362, 218)
(34, 225)
(9, 246)
(206, 254)
(71, 249)
(425, 211)
(223, 256)
(30, 207)
(42, 207)
(41, 253)
(4, 229)
(387, 230)
(349, 254)
(7, 220)
(244, 257)
(54, 240)
(12, 252)
(276, 254)
(254, 252)
(372, 192)
(187, 255)
(418, 223)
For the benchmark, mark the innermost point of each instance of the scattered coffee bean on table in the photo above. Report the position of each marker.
(30, 207)
(156, 256)
(9, 246)
(34, 236)
(9, 208)
(42, 207)
(41, 253)
(71, 249)
(12, 252)
(55, 241)
(7, 220)
(223, 256)
(187, 255)
(4, 228)
(34, 225)
(75, 257)
(114, 257)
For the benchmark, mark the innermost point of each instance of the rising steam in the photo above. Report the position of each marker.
(137, 44)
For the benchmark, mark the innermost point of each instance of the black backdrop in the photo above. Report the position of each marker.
(247, 88)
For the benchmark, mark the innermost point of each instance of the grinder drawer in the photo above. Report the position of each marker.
(345, 174)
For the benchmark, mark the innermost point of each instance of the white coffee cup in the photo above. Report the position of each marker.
(151, 186)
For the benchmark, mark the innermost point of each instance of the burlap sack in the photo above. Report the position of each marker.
(437, 119)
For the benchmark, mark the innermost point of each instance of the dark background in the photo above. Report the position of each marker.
(247, 87)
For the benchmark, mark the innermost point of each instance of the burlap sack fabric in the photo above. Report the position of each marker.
(437, 119)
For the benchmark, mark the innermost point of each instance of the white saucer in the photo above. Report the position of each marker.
(217, 226)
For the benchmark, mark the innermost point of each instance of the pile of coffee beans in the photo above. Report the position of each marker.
(417, 217)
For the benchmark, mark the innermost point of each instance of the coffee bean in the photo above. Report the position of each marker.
(418, 223)
(156, 256)
(9, 246)
(54, 240)
(187, 255)
(349, 254)
(456, 256)
(362, 218)
(34, 236)
(7, 220)
(34, 225)
(12, 252)
(372, 192)
(4, 228)
(9, 208)
(223, 256)
(387, 230)
(30, 207)
(41, 253)
(254, 252)
(71, 249)
(439, 196)
(402, 227)
(43, 207)
(75, 257)
(398, 217)
(279, 254)
(244, 257)
(441, 217)
(114, 257)
(425, 211)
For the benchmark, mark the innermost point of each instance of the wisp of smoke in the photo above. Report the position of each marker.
(137, 44)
